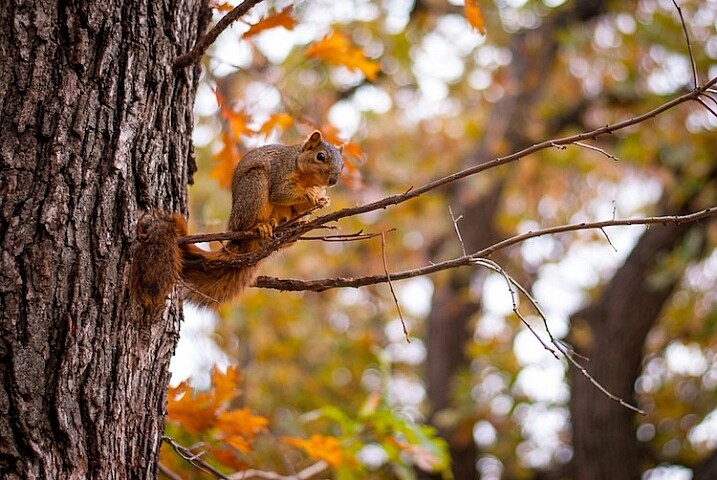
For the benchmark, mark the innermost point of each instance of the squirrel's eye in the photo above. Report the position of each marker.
(321, 157)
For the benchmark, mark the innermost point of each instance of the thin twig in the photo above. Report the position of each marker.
(390, 286)
(597, 149)
(305, 474)
(608, 239)
(194, 459)
(490, 264)
(570, 358)
(458, 232)
(195, 54)
(689, 44)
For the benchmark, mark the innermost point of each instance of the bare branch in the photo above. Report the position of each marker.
(194, 459)
(597, 149)
(305, 474)
(689, 44)
(467, 260)
(195, 54)
(390, 286)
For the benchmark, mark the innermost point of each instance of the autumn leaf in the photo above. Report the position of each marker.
(225, 161)
(336, 50)
(241, 422)
(226, 385)
(475, 16)
(319, 447)
(197, 412)
(222, 7)
(280, 121)
(238, 122)
(281, 19)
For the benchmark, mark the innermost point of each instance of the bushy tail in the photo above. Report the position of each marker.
(210, 278)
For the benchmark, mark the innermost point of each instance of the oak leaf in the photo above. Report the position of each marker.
(225, 161)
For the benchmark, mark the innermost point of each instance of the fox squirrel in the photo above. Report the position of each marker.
(271, 185)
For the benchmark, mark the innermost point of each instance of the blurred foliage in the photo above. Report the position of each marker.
(408, 88)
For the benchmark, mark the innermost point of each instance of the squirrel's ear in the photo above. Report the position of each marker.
(313, 141)
(341, 149)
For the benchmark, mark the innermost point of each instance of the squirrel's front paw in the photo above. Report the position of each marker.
(316, 196)
(265, 230)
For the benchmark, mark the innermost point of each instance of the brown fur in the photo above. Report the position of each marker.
(270, 185)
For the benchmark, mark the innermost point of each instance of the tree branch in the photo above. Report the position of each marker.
(195, 54)
(289, 233)
(467, 260)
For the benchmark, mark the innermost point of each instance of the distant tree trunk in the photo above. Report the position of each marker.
(452, 308)
(94, 125)
(611, 332)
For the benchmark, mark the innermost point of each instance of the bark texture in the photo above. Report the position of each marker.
(94, 125)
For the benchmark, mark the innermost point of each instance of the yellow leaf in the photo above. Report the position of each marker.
(319, 447)
(281, 19)
(475, 16)
(336, 50)
(282, 121)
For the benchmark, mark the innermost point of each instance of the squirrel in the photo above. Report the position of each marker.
(270, 185)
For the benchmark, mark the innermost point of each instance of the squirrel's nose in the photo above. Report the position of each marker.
(333, 180)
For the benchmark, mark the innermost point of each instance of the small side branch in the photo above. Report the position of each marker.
(195, 54)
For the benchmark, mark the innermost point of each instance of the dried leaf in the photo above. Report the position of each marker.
(336, 50)
(281, 19)
(475, 16)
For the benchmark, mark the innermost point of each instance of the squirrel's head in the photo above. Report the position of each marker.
(320, 160)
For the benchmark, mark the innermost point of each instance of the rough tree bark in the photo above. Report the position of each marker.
(94, 125)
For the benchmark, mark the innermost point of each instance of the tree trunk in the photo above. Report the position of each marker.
(611, 332)
(94, 125)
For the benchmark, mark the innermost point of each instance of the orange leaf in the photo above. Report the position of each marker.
(225, 161)
(226, 385)
(281, 121)
(228, 457)
(238, 442)
(223, 7)
(238, 121)
(197, 412)
(475, 16)
(336, 50)
(319, 447)
(241, 422)
(194, 412)
(281, 19)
